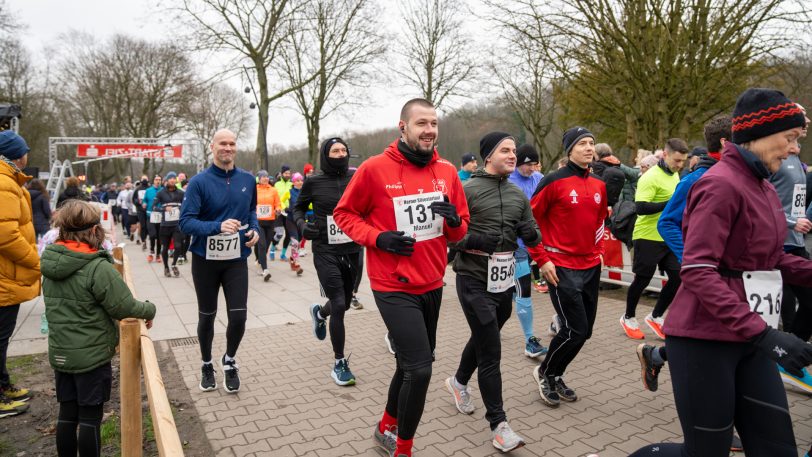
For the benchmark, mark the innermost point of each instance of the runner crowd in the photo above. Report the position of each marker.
(725, 223)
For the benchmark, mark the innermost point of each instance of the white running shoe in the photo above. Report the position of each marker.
(462, 398)
(505, 439)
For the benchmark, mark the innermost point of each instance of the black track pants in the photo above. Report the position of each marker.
(486, 313)
(412, 324)
(88, 421)
(718, 384)
(266, 232)
(208, 276)
(575, 300)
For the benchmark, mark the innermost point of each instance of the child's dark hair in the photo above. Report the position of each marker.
(78, 220)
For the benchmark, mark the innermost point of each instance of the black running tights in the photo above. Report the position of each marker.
(88, 420)
(412, 324)
(266, 233)
(718, 385)
(638, 286)
(337, 277)
(171, 232)
(208, 276)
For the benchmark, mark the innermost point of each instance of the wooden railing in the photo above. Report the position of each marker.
(137, 355)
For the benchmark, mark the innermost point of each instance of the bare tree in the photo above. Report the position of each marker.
(438, 56)
(336, 40)
(645, 70)
(257, 32)
(125, 87)
(217, 106)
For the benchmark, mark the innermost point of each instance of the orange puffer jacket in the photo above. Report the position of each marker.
(19, 262)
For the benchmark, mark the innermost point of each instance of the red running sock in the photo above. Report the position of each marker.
(387, 422)
(404, 447)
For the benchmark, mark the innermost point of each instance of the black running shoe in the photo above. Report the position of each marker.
(564, 392)
(175, 271)
(207, 381)
(547, 389)
(231, 376)
(167, 273)
(736, 444)
(649, 370)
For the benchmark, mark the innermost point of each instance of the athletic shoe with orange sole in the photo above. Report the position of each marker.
(649, 370)
(631, 327)
(656, 325)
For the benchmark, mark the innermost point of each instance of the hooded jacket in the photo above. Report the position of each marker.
(19, 263)
(366, 210)
(670, 223)
(495, 205)
(528, 186)
(268, 196)
(165, 198)
(608, 168)
(734, 221)
(323, 191)
(83, 295)
(570, 209)
(785, 180)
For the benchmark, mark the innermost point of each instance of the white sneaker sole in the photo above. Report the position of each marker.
(544, 399)
(335, 379)
(453, 394)
(507, 448)
(225, 386)
(207, 389)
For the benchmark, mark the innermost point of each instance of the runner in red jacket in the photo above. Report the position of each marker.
(569, 207)
(405, 205)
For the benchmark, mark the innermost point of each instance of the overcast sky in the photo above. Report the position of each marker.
(47, 19)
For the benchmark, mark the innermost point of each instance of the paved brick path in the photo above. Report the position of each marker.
(289, 405)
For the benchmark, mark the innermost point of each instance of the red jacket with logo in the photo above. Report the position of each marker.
(366, 209)
(570, 208)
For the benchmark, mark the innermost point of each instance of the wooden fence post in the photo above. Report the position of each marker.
(130, 386)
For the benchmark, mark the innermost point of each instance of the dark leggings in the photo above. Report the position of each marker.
(360, 274)
(575, 300)
(534, 268)
(142, 225)
(208, 276)
(337, 276)
(167, 233)
(154, 238)
(718, 385)
(266, 232)
(801, 322)
(282, 222)
(88, 420)
(125, 222)
(412, 323)
(523, 286)
(486, 313)
(639, 285)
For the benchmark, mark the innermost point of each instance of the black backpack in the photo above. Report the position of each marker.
(621, 223)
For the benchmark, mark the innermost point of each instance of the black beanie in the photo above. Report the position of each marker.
(573, 136)
(526, 153)
(489, 142)
(763, 112)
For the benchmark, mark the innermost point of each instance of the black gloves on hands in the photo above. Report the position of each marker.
(395, 243)
(786, 349)
(526, 230)
(310, 231)
(447, 210)
(485, 242)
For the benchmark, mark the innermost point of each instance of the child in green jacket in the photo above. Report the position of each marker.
(83, 295)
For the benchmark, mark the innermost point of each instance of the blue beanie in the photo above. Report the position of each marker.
(12, 146)
(170, 175)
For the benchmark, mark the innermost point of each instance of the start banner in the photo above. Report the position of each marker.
(152, 151)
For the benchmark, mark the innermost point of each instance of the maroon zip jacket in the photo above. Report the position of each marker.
(733, 221)
(570, 208)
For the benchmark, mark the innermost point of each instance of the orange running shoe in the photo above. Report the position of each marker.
(631, 327)
(656, 324)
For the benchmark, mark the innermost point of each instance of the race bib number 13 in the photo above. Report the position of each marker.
(763, 290)
(223, 247)
(414, 218)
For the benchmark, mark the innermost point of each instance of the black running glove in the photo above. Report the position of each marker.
(448, 211)
(786, 349)
(526, 230)
(395, 243)
(485, 242)
(311, 231)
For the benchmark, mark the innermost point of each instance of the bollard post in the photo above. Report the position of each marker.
(130, 386)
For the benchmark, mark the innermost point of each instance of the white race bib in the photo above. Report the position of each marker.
(171, 213)
(223, 247)
(798, 208)
(263, 211)
(414, 218)
(763, 290)
(155, 217)
(334, 234)
(112, 202)
(501, 269)
(141, 194)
